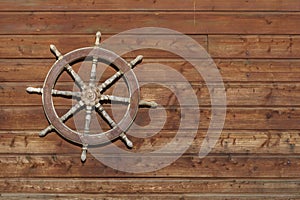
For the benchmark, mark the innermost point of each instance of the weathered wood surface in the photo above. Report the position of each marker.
(255, 45)
(227, 166)
(186, 22)
(158, 5)
(237, 95)
(219, 46)
(17, 196)
(32, 46)
(142, 185)
(235, 46)
(267, 142)
(22, 118)
(252, 70)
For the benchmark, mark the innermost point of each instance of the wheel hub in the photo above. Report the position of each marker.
(90, 96)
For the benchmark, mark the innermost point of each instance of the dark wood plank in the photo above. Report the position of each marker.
(262, 70)
(33, 46)
(233, 142)
(172, 187)
(232, 70)
(235, 46)
(17, 196)
(238, 95)
(252, 166)
(186, 22)
(32, 118)
(134, 5)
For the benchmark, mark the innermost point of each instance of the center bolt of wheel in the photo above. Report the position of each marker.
(90, 96)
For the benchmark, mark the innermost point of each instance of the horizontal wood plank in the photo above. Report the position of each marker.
(237, 95)
(232, 70)
(252, 46)
(172, 187)
(233, 142)
(32, 118)
(187, 22)
(255, 45)
(25, 166)
(33, 46)
(134, 5)
(220, 46)
(17, 196)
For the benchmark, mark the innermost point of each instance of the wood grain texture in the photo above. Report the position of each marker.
(244, 70)
(140, 186)
(32, 46)
(135, 5)
(238, 142)
(235, 46)
(237, 95)
(21, 118)
(228, 166)
(17, 196)
(187, 22)
(220, 46)
(255, 46)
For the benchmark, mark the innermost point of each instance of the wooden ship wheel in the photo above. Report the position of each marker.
(91, 96)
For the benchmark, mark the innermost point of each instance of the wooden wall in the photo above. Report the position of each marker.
(256, 46)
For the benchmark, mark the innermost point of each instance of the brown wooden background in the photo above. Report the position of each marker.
(256, 46)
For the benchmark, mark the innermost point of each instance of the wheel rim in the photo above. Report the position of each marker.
(102, 137)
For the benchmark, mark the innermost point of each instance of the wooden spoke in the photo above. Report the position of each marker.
(83, 154)
(98, 38)
(66, 93)
(88, 117)
(112, 123)
(109, 81)
(34, 90)
(68, 67)
(93, 72)
(126, 140)
(72, 111)
(136, 61)
(114, 98)
(76, 77)
(54, 92)
(105, 115)
(151, 104)
(63, 118)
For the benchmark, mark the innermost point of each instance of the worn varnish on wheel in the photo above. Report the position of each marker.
(91, 96)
